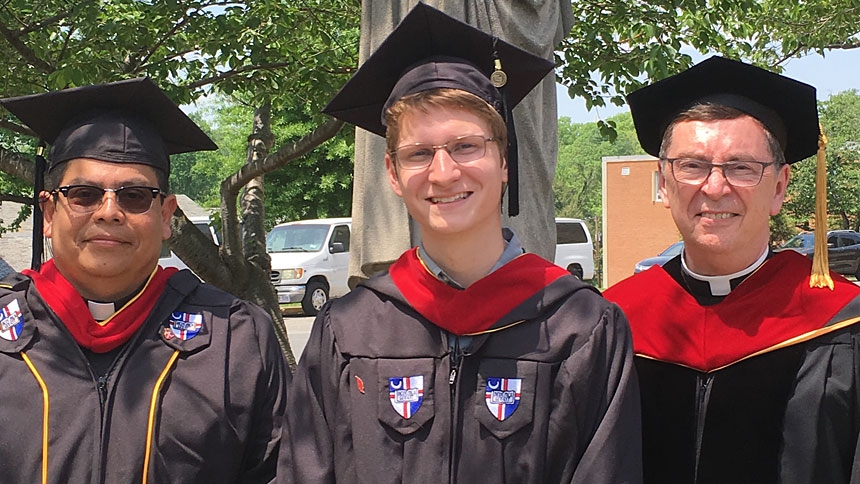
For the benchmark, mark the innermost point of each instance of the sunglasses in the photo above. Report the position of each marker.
(87, 198)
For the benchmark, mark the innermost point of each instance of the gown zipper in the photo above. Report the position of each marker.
(703, 397)
(456, 363)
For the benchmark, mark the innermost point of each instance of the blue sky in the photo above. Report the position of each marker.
(836, 72)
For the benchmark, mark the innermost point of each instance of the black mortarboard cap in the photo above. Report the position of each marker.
(131, 121)
(430, 50)
(786, 107)
(427, 35)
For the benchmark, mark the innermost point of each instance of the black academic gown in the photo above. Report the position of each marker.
(762, 386)
(570, 413)
(184, 404)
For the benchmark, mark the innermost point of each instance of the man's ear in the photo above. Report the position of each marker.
(664, 192)
(393, 179)
(783, 175)
(48, 205)
(168, 206)
(504, 169)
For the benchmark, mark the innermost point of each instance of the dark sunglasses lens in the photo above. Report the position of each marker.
(135, 199)
(85, 198)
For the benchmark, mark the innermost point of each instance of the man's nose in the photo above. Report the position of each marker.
(442, 166)
(716, 185)
(109, 208)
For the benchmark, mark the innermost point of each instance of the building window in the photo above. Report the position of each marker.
(655, 186)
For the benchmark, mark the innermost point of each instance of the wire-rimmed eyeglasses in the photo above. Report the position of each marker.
(691, 171)
(462, 150)
(88, 198)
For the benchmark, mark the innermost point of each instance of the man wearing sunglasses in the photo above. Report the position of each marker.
(113, 369)
(749, 372)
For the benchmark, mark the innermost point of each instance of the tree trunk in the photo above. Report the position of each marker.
(260, 143)
(245, 266)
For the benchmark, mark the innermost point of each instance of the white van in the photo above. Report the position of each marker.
(169, 259)
(573, 249)
(310, 261)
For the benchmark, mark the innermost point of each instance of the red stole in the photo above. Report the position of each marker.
(70, 307)
(478, 307)
(771, 307)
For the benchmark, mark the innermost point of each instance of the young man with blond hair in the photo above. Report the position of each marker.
(469, 360)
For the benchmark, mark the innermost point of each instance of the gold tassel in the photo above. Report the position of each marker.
(820, 276)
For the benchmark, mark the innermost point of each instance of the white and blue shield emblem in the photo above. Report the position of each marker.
(503, 396)
(11, 321)
(186, 325)
(406, 394)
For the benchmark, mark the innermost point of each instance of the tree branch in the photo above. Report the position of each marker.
(844, 45)
(17, 165)
(41, 24)
(8, 197)
(17, 128)
(235, 72)
(146, 54)
(287, 153)
(26, 53)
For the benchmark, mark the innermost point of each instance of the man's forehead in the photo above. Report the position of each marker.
(415, 119)
(737, 138)
(80, 170)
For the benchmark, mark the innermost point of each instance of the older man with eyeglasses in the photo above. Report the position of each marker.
(748, 373)
(113, 369)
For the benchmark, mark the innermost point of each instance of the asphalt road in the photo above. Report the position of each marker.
(298, 329)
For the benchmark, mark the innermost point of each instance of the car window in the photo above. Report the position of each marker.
(570, 233)
(846, 241)
(800, 241)
(341, 234)
(297, 238)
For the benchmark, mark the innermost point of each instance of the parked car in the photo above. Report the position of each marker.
(170, 259)
(661, 258)
(310, 261)
(843, 249)
(573, 249)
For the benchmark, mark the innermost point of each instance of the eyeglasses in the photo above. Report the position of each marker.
(87, 198)
(462, 150)
(690, 171)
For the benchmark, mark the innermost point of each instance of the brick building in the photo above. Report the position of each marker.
(636, 225)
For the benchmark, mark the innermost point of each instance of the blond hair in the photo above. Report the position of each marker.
(448, 98)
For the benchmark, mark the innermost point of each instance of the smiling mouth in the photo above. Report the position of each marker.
(453, 198)
(717, 216)
(105, 240)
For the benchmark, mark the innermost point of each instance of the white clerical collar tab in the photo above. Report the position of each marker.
(722, 285)
(101, 311)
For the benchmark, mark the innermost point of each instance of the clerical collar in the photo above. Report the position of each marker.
(101, 311)
(722, 285)
(104, 310)
(513, 249)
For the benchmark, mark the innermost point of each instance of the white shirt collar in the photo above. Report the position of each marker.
(722, 285)
(101, 311)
